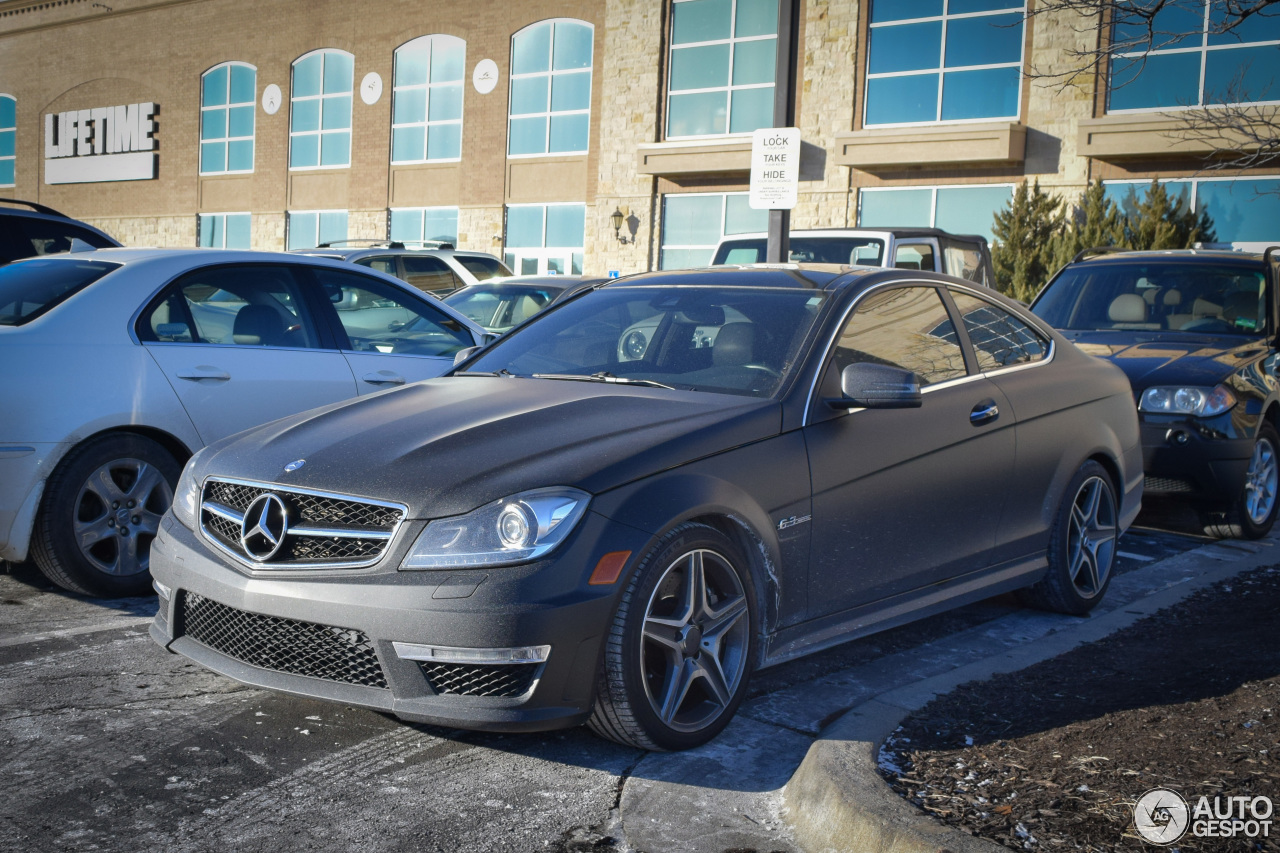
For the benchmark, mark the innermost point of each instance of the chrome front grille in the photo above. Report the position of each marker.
(282, 645)
(295, 528)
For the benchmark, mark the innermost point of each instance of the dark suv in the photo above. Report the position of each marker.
(42, 231)
(1196, 333)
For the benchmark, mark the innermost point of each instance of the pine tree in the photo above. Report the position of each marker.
(1024, 233)
(1163, 220)
(1094, 221)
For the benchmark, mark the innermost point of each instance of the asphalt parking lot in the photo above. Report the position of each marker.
(110, 744)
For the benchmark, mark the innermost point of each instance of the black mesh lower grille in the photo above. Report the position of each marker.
(282, 645)
(1166, 484)
(465, 679)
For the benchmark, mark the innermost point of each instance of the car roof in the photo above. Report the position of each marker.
(1188, 257)
(352, 252)
(827, 277)
(867, 230)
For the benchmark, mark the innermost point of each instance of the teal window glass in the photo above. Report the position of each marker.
(310, 228)
(1242, 210)
(906, 208)
(8, 140)
(549, 102)
(566, 224)
(406, 225)
(224, 230)
(928, 61)
(524, 226)
(1190, 65)
(545, 238)
(228, 106)
(722, 67)
(694, 224)
(320, 120)
(416, 225)
(426, 122)
(970, 210)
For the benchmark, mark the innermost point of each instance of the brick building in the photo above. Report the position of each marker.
(519, 127)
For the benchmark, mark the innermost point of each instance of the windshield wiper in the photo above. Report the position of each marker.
(604, 376)
(502, 372)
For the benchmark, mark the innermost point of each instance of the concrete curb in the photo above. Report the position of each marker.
(837, 801)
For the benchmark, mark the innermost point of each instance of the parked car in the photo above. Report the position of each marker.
(42, 230)
(435, 268)
(1195, 331)
(550, 535)
(965, 256)
(499, 305)
(120, 363)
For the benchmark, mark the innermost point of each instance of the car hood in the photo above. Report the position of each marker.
(1176, 359)
(448, 445)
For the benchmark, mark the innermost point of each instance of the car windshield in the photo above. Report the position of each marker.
(503, 306)
(1156, 296)
(850, 251)
(740, 340)
(483, 268)
(30, 288)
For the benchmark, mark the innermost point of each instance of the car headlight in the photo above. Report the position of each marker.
(517, 529)
(186, 497)
(1201, 402)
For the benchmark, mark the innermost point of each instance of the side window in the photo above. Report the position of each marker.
(386, 265)
(241, 305)
(45, 237)
(378, 317)
(914, 256)
(430, 274)
(905, 327)
(999, 338)
(964, 260)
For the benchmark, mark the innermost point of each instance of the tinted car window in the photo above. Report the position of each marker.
(238, 305)
(820, 250)
(482, 268)
(502, 306)
(905, 327)
(379, 318)
(1208, 298)
(32, 237)
(29, 289)
(386, 265)
(732, 340)
(430, 274)
(964, 260)
(914, 256)
(999, 339)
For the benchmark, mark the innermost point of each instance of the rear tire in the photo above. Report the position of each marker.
(100, 512)
(1082, 545)
(1254, 512)
(682, 644)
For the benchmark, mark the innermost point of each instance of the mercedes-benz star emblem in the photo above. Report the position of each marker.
(294, 465)
(265, 525)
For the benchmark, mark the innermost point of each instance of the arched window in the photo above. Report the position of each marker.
(550, 109)
(228, 94)
(8, 139)
(426, 111)
(320, 116)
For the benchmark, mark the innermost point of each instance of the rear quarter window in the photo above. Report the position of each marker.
(33, 287)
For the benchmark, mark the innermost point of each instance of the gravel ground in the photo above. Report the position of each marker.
(1055, 756)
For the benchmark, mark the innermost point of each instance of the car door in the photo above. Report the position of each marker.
(904, 498)
(388, 336)
(240, 347)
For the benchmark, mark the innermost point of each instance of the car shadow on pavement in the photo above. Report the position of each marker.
(29, 579)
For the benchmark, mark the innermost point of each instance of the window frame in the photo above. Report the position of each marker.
(429, 42)
(724, 215)
(1140, 58)
(200, 223)
(290, 214)
(543, 253)
(551, 73)
(320, 132)
(421, 238)
(729, 88)
(933, 202)
(225, 108)
(942, 70)
(11, 129)
(1193, 197)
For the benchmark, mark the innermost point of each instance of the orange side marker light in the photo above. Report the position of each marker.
(609, 568)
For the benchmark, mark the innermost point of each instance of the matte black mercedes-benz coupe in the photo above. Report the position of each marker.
(619, 511)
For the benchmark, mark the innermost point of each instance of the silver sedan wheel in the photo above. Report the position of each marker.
(695, 641)
(1091, 542)
(1260, 482)
(117, 514)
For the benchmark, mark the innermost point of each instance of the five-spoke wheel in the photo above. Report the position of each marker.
(1082, 545)
(681, 646)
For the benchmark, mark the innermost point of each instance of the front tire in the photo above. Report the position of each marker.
(1254, 511)
(682, 644)
(1082, 545)
(100, 512)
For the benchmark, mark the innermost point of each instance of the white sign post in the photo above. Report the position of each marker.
(775, 168)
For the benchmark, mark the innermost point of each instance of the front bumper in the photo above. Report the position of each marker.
(1203, 460)
(547, 603)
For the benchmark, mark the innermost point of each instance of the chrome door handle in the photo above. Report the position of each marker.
(204, 371)
(984, 412)
(383, 377)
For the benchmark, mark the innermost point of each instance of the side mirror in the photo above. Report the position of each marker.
(464, 354)
(877, 386)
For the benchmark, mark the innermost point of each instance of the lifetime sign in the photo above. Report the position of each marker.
(100, 144)
(775, 168)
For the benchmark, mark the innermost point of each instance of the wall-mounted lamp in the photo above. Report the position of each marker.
(618, 218)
